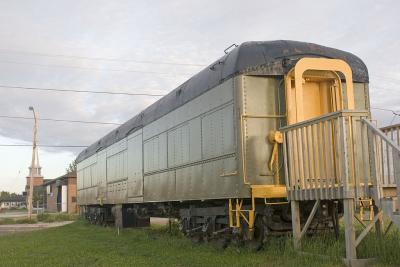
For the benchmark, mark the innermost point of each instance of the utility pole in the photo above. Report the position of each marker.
(34, 168)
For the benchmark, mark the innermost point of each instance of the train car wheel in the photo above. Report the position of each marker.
(197, 238)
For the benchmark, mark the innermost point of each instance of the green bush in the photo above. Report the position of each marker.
(7, 221)
(56, 217)
(44, 217)
(25, 221)
(17, 221)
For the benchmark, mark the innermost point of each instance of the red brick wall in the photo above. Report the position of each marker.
(52, 198)
(72, 195)
(36, 181)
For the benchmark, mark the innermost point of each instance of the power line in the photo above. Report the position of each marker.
(27, 145)
(91, 68)
(60, 120)
(103, 58)
(397, 113)
(393, 118)
(78, 91)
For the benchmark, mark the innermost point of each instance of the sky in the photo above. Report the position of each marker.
(123, 46)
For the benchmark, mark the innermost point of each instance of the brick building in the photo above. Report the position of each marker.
(38, 180)
(61, 194)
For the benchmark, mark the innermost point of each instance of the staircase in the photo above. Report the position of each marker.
(385, 154)
(343, 156)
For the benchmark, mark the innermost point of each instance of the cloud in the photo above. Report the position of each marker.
(164, 31)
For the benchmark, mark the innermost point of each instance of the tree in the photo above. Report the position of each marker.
(4, 195)
(71, 167)
(38, 195)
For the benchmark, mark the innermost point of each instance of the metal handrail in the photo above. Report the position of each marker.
(381, 134)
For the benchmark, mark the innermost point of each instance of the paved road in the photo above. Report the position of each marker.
(15, 228)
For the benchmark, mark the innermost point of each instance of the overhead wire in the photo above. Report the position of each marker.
(393, 118)
(397, 113)
(394, 112)
(91, 68)
(78, 91)
(28, 145)
(102, 58)
(59, 120)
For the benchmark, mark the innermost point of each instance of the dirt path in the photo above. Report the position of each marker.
(15, 228)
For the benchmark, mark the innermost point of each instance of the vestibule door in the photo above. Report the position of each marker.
(314, 88)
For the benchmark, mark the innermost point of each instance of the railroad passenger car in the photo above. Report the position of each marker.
(210, 152)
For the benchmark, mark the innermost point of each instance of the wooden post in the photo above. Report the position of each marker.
(379, 223)
(310, 218)
(350, 233)
(296, 223)
(396, 168)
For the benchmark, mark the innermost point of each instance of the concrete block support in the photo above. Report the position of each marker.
(117, 210)
(127, 217)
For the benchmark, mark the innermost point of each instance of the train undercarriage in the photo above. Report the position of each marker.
(212, 221)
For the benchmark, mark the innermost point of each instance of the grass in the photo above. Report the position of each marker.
(44, 217)
(81, 244)
(57, 217)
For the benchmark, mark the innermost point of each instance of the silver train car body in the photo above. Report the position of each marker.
(192, 153)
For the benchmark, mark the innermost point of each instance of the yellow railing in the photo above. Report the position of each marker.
(324, 157)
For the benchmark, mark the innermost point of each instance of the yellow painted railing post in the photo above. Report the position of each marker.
(230, 213)
(251, 217)
(237, 213)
